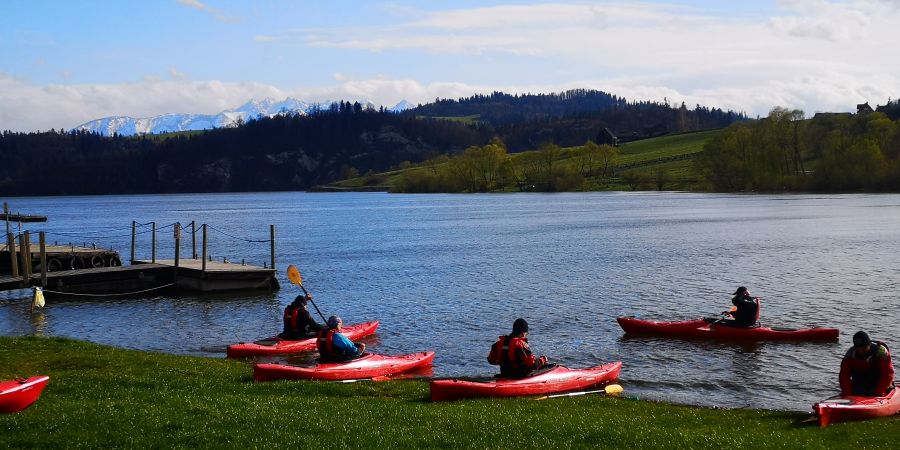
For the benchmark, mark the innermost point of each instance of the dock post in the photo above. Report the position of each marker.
(13, 259)
(272, 243)
(177, 243)
(177, 247)
(26, 257)
(194, 239)
(133, 238)
(43, 240)
(203, 267)
(153, 251)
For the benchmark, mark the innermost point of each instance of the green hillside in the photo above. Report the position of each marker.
(638, 165)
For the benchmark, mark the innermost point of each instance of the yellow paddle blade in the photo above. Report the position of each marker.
(294, 275)
(39, 297)
(613, 389)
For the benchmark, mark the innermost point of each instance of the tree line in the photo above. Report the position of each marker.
(785, 152)
(297, 152)
(285, 152)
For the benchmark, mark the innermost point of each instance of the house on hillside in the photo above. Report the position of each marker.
(864, 108)
(606, 136)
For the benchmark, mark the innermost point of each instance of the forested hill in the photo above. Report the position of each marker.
(281, 153)
(296, 152)
(572, 117)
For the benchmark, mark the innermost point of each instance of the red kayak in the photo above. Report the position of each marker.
(557, 379)
(369, 365)
(844, 409)
(277, 346)
(18, 394)
(700, 328)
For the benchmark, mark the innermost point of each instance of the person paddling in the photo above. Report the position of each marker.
(866, 369)
(298, 324)
(745, 311)
(513, 354)
(334, 346)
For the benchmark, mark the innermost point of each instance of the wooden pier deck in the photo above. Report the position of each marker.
(88, 271)
(144, 276)
(219, 276)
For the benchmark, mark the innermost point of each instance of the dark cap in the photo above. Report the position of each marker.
(861, 339)
(300, 300)
(739, 290)
(520, 326)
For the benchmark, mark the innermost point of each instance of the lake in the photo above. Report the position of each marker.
(450, 273)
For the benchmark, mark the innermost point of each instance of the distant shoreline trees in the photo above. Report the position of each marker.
(783, 152)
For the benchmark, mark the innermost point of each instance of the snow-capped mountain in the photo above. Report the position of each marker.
(402, 106)
(167, 123)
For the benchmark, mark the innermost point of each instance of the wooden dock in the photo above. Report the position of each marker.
(194, 275)
(144, 276)
(105, 277)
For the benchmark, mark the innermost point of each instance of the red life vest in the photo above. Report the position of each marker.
(291, 316)
(504, 352)
(325, 342)
(867, 367)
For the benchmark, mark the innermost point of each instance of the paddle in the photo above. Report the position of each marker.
(611, 389)
(355, 380)
(295, 277)
(725, 315)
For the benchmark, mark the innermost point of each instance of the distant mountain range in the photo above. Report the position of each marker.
(168, 123)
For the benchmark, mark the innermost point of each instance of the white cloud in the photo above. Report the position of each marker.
(200, 6)
(28, 107)
(752, 59)
(816, 55)
(178, 75)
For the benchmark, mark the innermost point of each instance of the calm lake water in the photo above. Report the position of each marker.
(450, 273)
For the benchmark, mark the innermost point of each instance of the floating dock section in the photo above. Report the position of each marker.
(81, 271)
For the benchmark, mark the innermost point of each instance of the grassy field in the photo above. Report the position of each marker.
(107, 397)
(645, 157)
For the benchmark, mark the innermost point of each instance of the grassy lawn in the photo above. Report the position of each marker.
(107, 397)
(661, 147)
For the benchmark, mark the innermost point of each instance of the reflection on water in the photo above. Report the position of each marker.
(450, 273)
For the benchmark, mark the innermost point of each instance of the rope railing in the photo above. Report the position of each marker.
(110, 295)
(236, 237)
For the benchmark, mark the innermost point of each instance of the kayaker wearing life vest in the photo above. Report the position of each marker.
(746, 313)
(866, 368)
(298, 324)
(334, 346)
(513, 354)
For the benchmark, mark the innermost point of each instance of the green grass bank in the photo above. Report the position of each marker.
(102, 396)
(636, 167)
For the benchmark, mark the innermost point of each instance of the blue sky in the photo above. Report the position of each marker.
(64, 63)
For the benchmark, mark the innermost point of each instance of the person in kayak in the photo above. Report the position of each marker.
(866, 369)
(298, 324)
(745, 311)
(334, 346)
(513, 354)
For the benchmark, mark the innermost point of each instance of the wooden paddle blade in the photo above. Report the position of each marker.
(294, 275)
